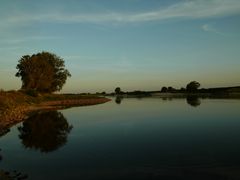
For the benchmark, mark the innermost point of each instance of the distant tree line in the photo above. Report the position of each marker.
(191, 88)
(119, 92)
(46, 73)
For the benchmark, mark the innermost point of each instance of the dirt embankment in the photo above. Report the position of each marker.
(61, 104)
(9, 117)
(17, 112)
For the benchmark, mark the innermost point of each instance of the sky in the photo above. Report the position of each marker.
(133, 44)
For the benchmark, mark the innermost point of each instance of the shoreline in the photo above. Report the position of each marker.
(12, 116)
(180, 95)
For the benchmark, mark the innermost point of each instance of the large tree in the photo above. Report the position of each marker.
(43, 72)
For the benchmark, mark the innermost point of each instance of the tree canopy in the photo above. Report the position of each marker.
(193, 86)
(43, 72)
(164, 89)
(117, 90)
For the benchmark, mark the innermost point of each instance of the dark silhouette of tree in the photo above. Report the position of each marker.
(12, 175)
(7, 175)
(193, 101)
(164, 89)
(118, 90)
(4, 130)
(45, 131)
(170, 89)
(192, 86)
(182, 89)
(118, 99)
(43, 72)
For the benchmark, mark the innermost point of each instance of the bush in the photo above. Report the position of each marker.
(192, 86)
(32, 92)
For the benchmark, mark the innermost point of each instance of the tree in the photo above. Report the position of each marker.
(182, 89)
(43, 72)
(164, 89)
(170, 89)
(118, 90)
(192, 86)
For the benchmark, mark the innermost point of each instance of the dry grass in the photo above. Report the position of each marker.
(15, 105)
(11, 99)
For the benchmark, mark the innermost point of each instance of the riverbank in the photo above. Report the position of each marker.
(16, 106)
(179, 95)
(219, 92)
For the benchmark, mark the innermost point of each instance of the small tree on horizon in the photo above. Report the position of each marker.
(117, 90)
(193, 86)
(170, 89)
(43, 72)
(164, 89)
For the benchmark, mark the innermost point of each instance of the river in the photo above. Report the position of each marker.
(148, 138)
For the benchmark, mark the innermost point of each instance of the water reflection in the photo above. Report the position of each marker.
(147, 139)
(193, 101)
(118, 99)
(12, 175)
(45, 131)
(0, 156)
(4, 131)
(7, 175)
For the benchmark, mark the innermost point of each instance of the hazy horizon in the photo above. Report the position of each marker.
(133, 44)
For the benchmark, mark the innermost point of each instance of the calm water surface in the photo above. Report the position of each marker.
(147, 138)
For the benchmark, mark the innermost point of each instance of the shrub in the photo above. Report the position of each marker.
(32, 92)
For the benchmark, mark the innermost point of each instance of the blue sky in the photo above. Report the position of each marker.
(134, 44)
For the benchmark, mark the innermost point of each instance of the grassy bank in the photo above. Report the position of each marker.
(15, 105)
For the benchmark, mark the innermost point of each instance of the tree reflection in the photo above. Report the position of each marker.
(45, 131)
(118, 99)
(193, 101)
(12, 175)
(4, 130)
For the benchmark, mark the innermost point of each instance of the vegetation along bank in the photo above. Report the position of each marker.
(15, 106)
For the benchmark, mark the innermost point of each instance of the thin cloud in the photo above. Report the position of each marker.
(30, 38)
(191, 9)
(10, 48)
(120, 64)
(209, 28)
